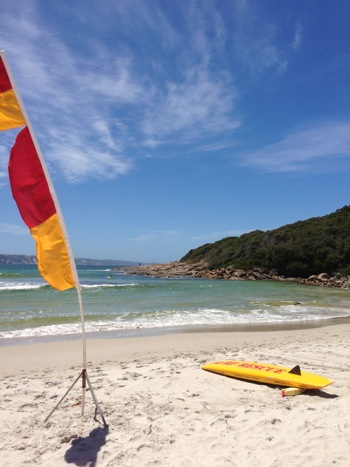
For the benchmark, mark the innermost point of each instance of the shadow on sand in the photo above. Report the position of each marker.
(320, 393)
(84, 451)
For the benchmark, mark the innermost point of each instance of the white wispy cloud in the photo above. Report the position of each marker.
(69, 104)
(315, 148)
(217, 235)
(177, 235)
(157, 235)
(191, 108)
(91, 109)
(297, 40)
(98, 100)
(257, 40)
(6, 140)
(13, 229)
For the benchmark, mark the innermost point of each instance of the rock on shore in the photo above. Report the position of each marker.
(200, 270)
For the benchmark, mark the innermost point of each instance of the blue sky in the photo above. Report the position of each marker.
(169, 124)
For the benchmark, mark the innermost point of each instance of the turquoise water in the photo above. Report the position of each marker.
(129, 305)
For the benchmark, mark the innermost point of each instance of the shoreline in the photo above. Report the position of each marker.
(200, 270)
(166, 331)
(22, 357)
(162, 408)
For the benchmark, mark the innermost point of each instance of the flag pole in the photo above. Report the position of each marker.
(66, 238)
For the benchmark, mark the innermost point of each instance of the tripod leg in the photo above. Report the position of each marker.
(98, 408)
(83, 386)
(56, 406)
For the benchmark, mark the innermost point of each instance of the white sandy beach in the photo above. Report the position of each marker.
(162, 409)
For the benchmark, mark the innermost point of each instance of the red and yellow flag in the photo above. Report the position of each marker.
(31, 192)
(10, 112)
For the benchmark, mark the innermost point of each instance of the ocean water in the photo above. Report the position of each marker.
(131, 305)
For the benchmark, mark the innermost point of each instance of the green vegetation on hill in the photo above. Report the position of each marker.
(319, 244)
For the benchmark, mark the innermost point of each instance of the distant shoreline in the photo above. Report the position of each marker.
(31, 260)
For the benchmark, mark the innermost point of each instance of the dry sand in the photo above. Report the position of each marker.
(162, 409)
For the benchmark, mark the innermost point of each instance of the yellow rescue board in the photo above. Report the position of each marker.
(270, 374)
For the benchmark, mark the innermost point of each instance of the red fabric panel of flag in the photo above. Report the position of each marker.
(5, 83)
(28, 182)
(31, 192)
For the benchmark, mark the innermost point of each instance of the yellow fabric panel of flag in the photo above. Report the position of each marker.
(51, 251)
(10, 113)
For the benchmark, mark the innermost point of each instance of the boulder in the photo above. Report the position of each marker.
(323, 276)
